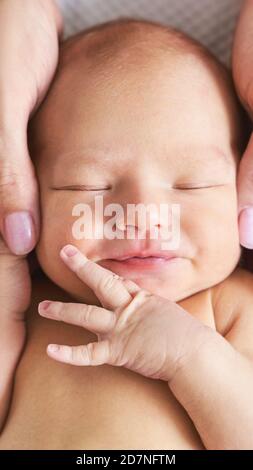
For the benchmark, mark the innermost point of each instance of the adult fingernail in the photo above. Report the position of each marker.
(69, 250)
(44, 306)
(19, 232)
(246, 227)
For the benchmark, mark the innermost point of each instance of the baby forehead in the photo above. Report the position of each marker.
(94, 59)
(126, 40)
(143, 85)
(136, 52)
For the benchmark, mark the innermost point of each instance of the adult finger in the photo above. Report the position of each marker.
(19, 211)
(245, 197)
(242, 56)
(24, 80)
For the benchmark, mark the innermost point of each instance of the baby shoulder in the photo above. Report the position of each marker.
(233, 310)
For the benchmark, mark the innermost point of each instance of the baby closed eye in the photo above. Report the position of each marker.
(180, 187)
(80, 188)
(195, 186)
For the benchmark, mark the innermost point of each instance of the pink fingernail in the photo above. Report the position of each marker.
(19, 232)
(44, 305)
(69, 250)
(246, 227)
(53, 347)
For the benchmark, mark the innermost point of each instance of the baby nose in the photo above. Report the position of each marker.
(144, 218)
(145, 205)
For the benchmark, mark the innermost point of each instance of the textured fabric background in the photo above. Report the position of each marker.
(212, 22)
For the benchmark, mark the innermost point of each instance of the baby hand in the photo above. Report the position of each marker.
(143, 332)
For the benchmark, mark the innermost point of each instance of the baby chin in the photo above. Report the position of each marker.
(173, 280)
(160, 276)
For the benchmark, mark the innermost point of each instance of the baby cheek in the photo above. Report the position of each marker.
(57, 222)
(56, 231)
(224, 221)
(214, 231)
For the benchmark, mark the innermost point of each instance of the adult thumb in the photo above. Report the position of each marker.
(19, 213)
(245, 196)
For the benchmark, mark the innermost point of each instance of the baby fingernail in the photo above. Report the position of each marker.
(53, 347)
(69, 250)
(44, 306)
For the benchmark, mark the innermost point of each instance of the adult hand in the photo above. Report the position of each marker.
(143, 332)
(15, 290)
(242, 62)
(28, 57)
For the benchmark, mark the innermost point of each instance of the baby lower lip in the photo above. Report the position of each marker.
(139, 259)
(135, 262)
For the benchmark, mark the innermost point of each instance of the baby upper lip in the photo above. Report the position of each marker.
(145, 254)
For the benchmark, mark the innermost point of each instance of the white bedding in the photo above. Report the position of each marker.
(210, 21)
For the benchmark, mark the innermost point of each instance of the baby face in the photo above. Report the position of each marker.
(154, 132)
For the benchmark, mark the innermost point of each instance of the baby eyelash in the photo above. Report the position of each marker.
(78, 188)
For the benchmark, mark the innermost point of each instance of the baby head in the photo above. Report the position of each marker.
(139, 113)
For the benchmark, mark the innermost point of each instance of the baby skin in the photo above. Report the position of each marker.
(137, 113)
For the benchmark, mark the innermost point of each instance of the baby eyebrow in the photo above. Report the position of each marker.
(192, 154)
(88, 155)
(217, 152)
